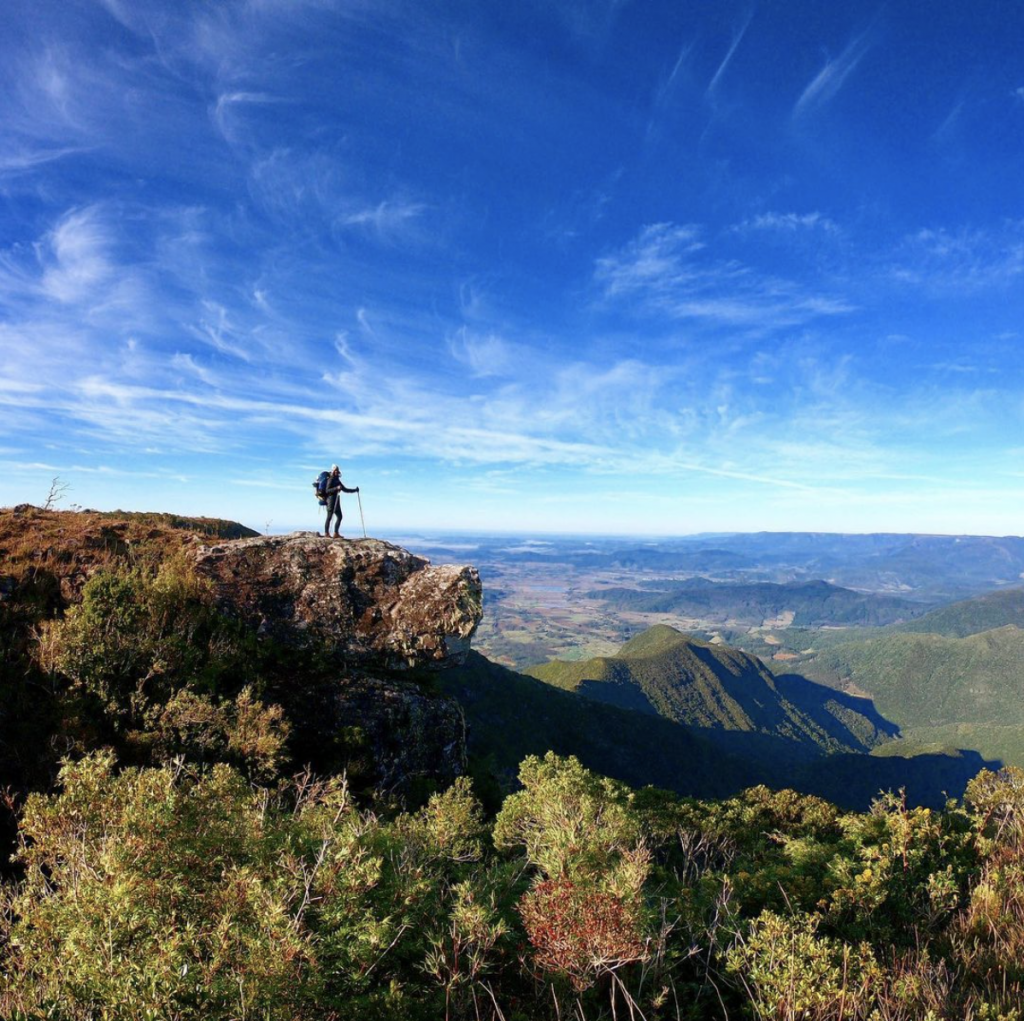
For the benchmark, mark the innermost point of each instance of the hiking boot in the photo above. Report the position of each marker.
(337, 535)
(327, 534)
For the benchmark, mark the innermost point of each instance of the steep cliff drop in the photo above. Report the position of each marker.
(378, 617)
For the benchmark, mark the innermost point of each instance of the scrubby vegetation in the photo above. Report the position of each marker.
(183, 891)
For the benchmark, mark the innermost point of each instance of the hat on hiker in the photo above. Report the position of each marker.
(335, 468)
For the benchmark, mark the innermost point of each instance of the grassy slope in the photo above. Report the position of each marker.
(61, 548)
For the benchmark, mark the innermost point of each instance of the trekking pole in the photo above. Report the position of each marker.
(359, 497)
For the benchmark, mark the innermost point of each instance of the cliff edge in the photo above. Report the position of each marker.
(373, 611)
(371, 604)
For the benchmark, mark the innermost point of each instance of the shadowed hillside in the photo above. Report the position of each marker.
(510, 715)
(720, 690)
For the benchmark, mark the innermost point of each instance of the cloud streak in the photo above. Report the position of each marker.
(733, 47)
(828, 82)
(667, 270)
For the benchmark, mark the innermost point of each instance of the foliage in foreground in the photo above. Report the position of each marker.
(190, 892)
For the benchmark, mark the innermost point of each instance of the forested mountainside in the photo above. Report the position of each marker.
(949, 679)
(717, 688)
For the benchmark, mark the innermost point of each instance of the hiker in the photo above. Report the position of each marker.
(335, 487)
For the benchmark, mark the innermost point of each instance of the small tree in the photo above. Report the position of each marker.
(58, 488)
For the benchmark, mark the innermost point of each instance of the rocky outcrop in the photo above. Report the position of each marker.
(374, 605)
(376, 611)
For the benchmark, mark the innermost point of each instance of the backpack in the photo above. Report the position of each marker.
(320, 488)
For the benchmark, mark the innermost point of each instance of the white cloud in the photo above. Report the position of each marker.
(223, 111)
(736, 40)
(789, 223)
(217, 329)
(653, 260)
(25, 159)
(830, 79)
(188, 364)
(75, 256)
(386, 217)
(964, 260)
(667, 271)
(484, 354)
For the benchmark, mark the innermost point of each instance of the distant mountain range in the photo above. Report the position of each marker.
(803, 604)
(928, 568)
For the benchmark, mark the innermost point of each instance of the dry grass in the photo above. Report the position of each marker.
(46, 556)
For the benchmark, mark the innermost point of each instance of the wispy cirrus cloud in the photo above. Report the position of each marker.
(788, 223)
(389, 220)
(733, 47)
(22, 160)
(668, 270)
(827, 83)
(224, 112)
(75, 276)
(485, 354)
(76, 259)
(965, 260)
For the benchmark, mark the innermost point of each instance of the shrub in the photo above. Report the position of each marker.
(902, 871)
(570, 822)
(998, 803)
(152, 894)
(581, 931)
(152, 667)
(792, 973)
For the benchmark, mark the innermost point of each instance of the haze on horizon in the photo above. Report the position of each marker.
(595, 266)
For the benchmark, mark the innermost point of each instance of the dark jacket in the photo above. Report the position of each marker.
(335, 486)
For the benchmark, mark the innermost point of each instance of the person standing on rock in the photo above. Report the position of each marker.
(335, 487)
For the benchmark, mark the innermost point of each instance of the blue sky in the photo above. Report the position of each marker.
(588, 266)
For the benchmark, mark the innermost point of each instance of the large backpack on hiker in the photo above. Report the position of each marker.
(320, 488)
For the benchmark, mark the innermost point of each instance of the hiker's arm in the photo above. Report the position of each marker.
(345, 489)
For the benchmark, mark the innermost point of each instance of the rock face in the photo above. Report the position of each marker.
(377, 611)
(375, 605)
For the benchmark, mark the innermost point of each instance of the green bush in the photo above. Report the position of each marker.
(150, 666)
(187, 891)
(793, 973)
(182, 894)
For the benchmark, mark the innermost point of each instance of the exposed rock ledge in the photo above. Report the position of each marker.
(378, 610)
(376, 605)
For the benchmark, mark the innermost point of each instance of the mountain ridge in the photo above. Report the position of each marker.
(717, 688)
